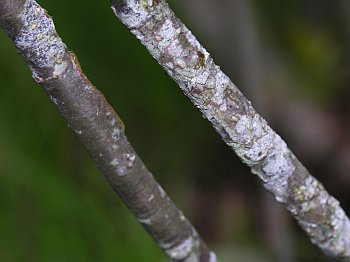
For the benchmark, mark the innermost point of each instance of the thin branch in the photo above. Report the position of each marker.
(99, 129)
(232, 115)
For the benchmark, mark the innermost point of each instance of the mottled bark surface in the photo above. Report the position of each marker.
(232, 115)
(99, 129)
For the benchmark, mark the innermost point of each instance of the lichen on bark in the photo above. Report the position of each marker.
(38, 35)
(185, 60)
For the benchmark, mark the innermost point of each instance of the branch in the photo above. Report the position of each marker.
(232, 115)
(99, 129)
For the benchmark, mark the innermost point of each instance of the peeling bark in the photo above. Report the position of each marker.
(232, 115)
(99, 129)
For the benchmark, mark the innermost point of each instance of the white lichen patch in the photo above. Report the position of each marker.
(180, 62)
(336, 240)
(166, 35)
(115, 134)
(307, 191)
(118, 167)
(89, 89)
(192, 258)
(182, 217)
(212, 257)
(161, 191)
(277, 168)
(248, 137)
(175, 49)
(134, 13)
(200, 77)
(130, 159)
(341, 241)
(114, 162)
(38, 41)
(59, 69)
(150, 25)
(151, 198)
(184, 75)
(54, 100)
(261, 145)
(146, 221)
(243, 131)
(278, 162)
(182, 250)
(223, 107)
(191, 76)
(113, 121)
(169, 66)
(222, 82)
(257, 144)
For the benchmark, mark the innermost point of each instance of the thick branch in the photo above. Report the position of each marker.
(99, 129)
(232, 115)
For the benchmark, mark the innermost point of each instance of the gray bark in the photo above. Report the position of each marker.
(232, 115)
(99, 129)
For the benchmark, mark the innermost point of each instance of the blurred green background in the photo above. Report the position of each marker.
(291, 58)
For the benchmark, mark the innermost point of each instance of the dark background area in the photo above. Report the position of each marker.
(291, 58)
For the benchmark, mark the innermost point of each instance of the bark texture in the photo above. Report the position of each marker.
(232, 115)
(99, 129)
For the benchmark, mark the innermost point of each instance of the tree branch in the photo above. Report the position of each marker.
(99, 129)
(232, 115)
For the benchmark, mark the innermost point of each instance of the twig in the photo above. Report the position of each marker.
(232, 115)
(99, 129)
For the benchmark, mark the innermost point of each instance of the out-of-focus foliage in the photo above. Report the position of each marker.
(56, 206)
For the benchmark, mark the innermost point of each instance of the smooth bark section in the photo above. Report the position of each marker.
(99, 129)
(232, 115)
